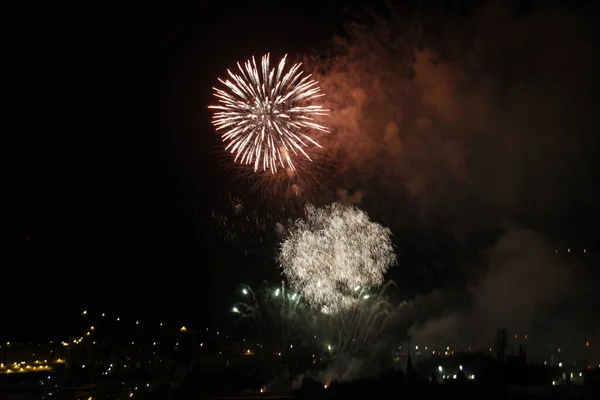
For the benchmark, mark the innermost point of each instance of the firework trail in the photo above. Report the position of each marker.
(352, 341)
(255, 203)
(275, 313)
(334, 251)
(312, 181)
(236, 223)
(357, 342)
(351, 332)
(265, 114)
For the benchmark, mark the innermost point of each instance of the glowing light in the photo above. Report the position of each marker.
(265, 114)
(273, 312)
(183, 329)
(334, 250)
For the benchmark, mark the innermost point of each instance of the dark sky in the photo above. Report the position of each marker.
(117, 172)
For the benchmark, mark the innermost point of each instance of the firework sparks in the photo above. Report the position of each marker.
(274, 313)
(265, 114)
(352, 332)
(233, 220)
(282, 322)
(332, 252)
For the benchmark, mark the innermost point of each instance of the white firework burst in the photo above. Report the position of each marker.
(265, 115)
(332, 253)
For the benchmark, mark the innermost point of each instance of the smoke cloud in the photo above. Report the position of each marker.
(460, 121)
(526, 288)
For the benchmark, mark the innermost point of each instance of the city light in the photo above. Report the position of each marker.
(23, 367)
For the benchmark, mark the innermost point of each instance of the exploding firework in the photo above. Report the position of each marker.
(363, 335)
(352, 332)
(334, 251)
(290, 189)
(274, 314)
(350, 341)
(266, 114)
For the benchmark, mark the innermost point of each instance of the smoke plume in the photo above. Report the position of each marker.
(525, 287)
(457, 122)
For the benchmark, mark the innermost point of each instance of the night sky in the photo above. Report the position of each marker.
(118, 171)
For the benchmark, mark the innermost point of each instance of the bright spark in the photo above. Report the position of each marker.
(332, 252)
(265, 115)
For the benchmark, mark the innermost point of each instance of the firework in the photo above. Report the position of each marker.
(285, 323)
(310, 181)
(237, 223)
(352, 332)
(265, 114)
(363, 335)
(274, 313)
(246, 223)
(334, 251)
